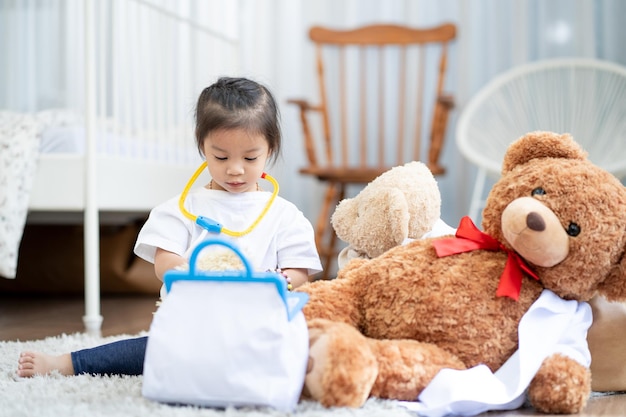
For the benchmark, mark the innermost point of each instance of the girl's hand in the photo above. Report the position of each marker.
(298, 276)
(165, 261)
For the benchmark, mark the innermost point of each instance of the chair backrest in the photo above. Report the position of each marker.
(377, 85)
(583, 97)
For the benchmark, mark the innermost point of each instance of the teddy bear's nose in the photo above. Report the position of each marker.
(535, 222)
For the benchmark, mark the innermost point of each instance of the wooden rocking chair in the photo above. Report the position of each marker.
(377, 84)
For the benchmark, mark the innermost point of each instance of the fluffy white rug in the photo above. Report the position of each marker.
(84, 395)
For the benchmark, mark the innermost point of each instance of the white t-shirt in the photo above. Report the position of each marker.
(283, 238)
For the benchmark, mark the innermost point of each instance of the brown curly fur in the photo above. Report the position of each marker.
(566, 380)
(416, 313)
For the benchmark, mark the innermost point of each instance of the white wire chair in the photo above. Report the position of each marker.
(583, 97)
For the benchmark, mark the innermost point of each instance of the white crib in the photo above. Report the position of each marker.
(132, 145)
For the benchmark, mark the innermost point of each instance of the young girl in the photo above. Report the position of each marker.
(237, 131)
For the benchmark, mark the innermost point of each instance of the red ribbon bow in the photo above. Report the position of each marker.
(469, 238)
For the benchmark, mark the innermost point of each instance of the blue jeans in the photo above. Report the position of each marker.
(124, 357)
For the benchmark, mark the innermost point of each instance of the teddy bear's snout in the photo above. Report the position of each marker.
(535, 232)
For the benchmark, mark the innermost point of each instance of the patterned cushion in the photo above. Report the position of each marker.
(19, 143)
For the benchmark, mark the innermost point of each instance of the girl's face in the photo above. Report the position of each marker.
(236, 159)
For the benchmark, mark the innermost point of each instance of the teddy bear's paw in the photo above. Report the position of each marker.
(341, 370)
(561, 386)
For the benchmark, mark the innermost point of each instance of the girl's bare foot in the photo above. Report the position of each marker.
(37, 363)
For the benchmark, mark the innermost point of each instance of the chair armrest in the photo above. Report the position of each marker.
(446, 100)
(304, 105)
(309, 143)
(443, 104)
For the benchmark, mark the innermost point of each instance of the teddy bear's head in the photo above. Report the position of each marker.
(564, 215)
(402, 203)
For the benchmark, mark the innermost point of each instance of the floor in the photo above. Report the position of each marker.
(29, 318)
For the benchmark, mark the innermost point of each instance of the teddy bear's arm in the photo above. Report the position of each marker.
(332, 300)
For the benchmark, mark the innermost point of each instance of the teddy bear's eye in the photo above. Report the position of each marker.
(538, 191)
(573, 229)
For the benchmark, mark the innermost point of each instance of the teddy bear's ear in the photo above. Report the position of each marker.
(541, 145)
(614, 286)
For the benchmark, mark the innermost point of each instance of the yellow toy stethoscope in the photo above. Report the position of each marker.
(211, 225)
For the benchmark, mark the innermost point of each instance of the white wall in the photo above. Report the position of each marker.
(493, 36)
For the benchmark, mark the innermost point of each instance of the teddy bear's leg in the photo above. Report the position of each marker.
(561, 386)
(345, 367)
(341, 368)
(405, 367)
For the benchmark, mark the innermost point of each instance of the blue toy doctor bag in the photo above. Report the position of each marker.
(228, 338)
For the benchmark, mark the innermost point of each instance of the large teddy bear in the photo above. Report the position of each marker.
(554, 229)
(402, 204)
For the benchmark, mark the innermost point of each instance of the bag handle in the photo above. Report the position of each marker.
(208, 242)
(293, 301)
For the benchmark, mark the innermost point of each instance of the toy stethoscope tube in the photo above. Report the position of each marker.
(212, 225)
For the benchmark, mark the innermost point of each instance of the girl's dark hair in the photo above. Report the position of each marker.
(238, 103)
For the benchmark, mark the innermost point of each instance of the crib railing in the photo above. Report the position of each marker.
(151, 61)
(145, 64)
